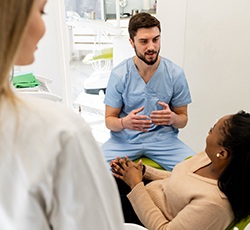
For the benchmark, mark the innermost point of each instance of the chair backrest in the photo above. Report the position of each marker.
(130, 226)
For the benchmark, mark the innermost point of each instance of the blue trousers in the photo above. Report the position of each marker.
(166, 153)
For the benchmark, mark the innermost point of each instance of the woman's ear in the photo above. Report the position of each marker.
(224, 153)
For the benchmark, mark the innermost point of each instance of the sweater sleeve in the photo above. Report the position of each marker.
(193, 216)
(149, 214)
(155, 174)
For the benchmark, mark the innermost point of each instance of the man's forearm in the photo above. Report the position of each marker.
(114, 123)
(179, 120)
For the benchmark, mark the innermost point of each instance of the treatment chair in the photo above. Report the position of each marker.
(149, 162)
(243, 225)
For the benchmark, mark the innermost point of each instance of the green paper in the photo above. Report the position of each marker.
(25, 81)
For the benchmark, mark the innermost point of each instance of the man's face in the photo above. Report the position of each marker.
(147, 44)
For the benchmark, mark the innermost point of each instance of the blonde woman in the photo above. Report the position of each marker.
(52, 174)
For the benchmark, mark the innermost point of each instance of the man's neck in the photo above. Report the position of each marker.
(146, 71)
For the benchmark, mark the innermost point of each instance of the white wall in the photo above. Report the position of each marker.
(52, 56)
(131, 4)
(210, 40)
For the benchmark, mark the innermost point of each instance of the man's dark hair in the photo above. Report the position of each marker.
(141, 20)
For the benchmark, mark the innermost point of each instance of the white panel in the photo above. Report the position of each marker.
(53, 54)
(172, 15)
(216, 59)
(122, 49)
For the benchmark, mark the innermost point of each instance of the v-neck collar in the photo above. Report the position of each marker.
(153, 76)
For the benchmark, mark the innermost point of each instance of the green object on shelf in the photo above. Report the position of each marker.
(27, 80)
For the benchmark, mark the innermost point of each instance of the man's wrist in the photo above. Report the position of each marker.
(173, 119)
(122, 123)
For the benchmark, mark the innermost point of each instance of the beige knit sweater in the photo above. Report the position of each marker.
(182, 199)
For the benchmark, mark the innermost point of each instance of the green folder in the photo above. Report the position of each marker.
(25, 81)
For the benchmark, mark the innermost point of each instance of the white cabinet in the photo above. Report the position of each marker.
(123, 25)
(91, 35)
(86, 38)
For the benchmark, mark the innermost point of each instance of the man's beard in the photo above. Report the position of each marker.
(143, 57)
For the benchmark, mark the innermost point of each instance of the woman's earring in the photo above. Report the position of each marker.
(218, 155)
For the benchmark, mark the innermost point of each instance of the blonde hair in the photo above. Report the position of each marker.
(14, 15)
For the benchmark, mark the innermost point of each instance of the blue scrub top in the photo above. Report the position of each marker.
(127, 90)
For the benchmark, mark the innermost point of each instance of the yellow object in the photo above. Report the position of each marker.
(104, 54)
(240, 226)
(149, 162)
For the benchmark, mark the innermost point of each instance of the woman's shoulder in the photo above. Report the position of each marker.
(192, 163)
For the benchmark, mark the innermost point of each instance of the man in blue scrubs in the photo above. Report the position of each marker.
(146, 101)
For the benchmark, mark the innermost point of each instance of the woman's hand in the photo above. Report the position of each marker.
(127, 170)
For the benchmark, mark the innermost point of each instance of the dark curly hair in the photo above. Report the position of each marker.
(141, 20)
(234, 182)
